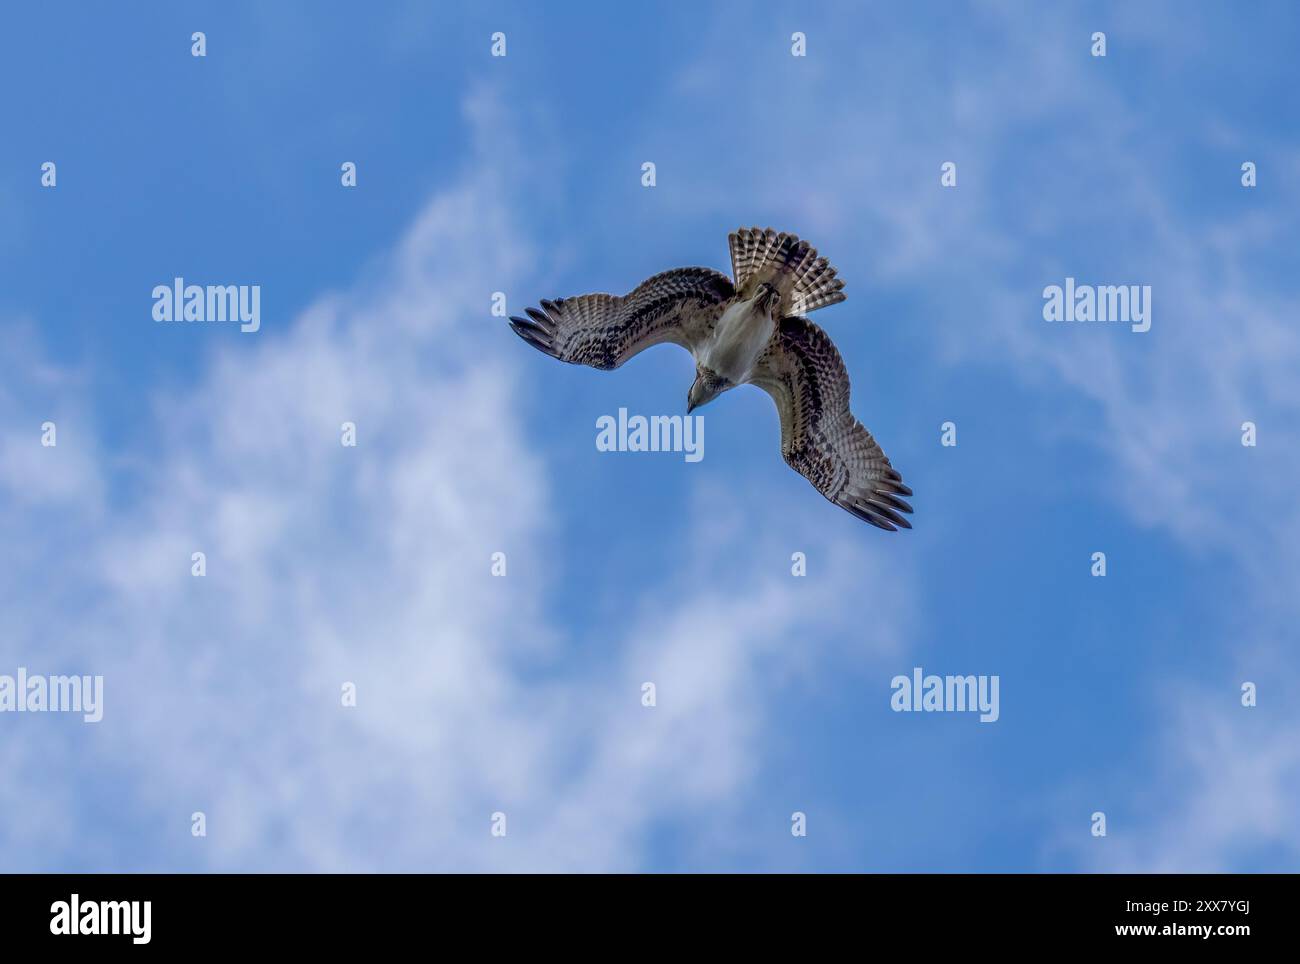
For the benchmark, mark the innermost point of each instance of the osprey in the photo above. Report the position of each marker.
(752, 331)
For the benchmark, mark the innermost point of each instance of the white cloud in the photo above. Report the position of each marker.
(1057, 165)
(1238, 781)
(328, 564)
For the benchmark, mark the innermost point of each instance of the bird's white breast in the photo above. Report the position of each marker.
(740, 337)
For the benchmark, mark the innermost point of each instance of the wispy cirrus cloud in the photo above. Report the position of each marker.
(1060, 174)
(371, 565)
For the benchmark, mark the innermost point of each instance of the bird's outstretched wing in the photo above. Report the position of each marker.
(603, 331)
(820, 439)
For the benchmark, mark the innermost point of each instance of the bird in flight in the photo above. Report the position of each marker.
(750, 331)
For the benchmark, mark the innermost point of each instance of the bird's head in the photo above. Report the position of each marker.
(707, 386)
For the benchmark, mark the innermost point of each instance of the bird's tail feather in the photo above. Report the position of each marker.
(806, 282)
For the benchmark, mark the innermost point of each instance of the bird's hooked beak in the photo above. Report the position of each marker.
(707, 386)
(699, 394)
(693, 396)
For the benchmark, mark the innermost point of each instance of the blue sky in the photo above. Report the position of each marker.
(522, 695)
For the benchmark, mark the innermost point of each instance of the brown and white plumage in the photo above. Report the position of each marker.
(820, 439)
(604, 331)
(806, 282)
(749, 332)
